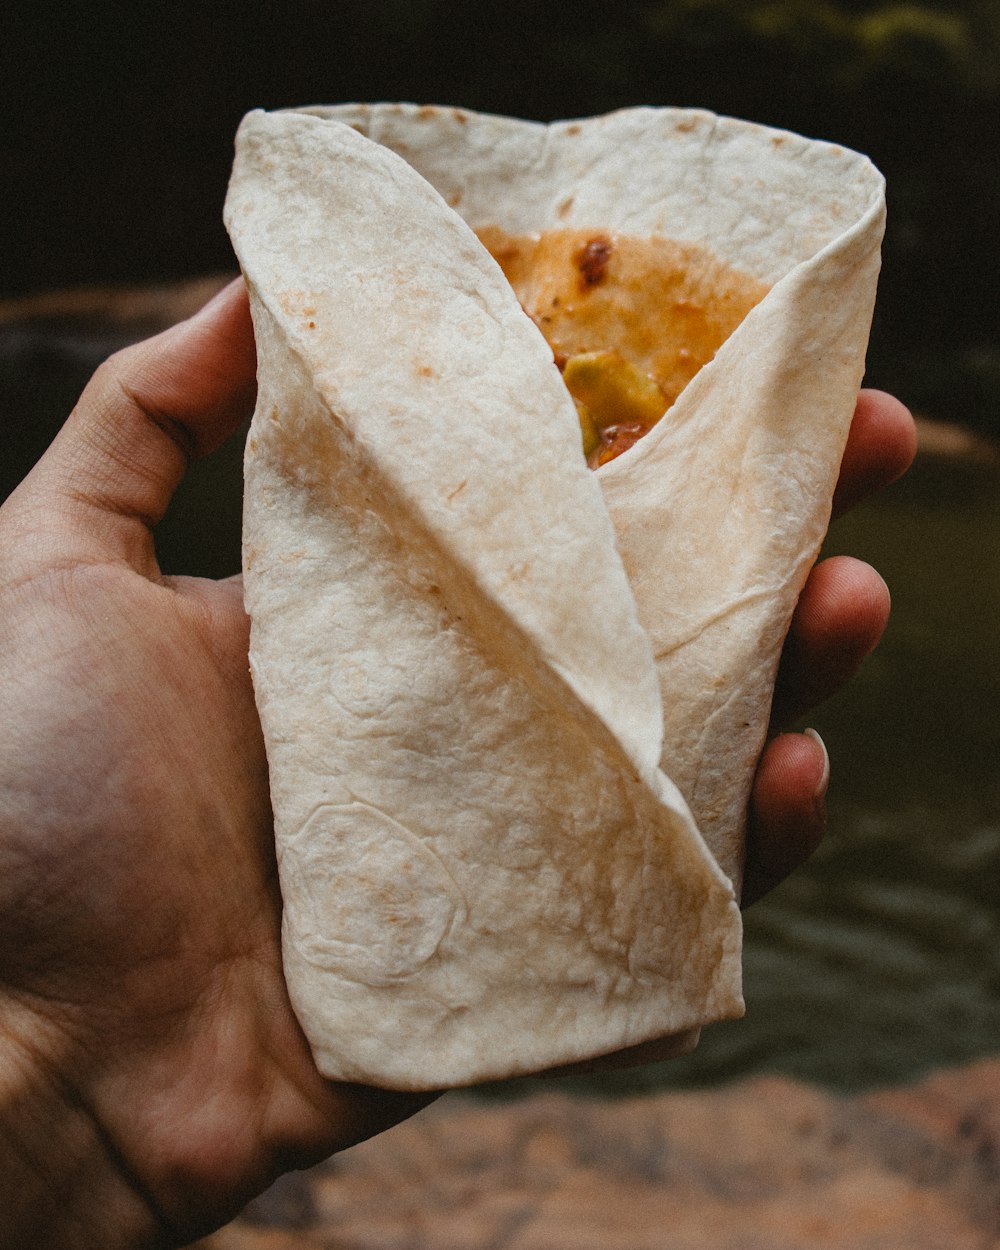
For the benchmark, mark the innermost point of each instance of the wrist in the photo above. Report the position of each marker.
(61, 1184)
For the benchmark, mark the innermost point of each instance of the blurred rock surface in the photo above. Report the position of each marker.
(766, 1164)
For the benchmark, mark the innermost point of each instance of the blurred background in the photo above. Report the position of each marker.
(882, 958)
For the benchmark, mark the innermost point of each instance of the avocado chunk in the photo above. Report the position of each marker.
(613, 390)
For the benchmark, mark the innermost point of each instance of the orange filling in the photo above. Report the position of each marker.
(630, 320)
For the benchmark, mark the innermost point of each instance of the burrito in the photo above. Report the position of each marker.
(548, 423)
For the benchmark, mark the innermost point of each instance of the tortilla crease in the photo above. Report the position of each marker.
(512, 707)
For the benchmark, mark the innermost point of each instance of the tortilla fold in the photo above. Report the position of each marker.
(512, 707)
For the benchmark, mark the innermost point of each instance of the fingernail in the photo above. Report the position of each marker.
(824, 780)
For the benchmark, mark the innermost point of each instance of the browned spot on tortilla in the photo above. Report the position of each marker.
(427, 112)
(460, 117)
(573, 130)
(424, 370)
(686, 124)
(458, 490)
(455, 199)
(564, 208)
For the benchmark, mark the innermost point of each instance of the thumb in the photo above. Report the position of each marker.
(110, 474)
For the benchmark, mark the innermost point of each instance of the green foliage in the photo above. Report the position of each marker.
(850, 44)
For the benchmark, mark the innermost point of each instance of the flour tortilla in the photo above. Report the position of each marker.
(512, 707)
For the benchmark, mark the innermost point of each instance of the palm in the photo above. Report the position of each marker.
(139, 912)
(155, 937)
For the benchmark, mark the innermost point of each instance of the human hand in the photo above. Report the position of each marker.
(152, 1074)
(840, 617)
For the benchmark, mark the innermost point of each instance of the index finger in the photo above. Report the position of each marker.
(880, 448)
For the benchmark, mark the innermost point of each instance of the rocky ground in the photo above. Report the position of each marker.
(767, 1164)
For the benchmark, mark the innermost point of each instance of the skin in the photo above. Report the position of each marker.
(152, 1075)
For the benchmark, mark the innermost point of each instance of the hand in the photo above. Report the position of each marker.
(841, 615)
(152, 1074)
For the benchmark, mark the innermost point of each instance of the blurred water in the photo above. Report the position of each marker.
(892, 936)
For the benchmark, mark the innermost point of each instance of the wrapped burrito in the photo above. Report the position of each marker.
(548, 424)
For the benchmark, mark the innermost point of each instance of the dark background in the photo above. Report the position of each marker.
(118, 126)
